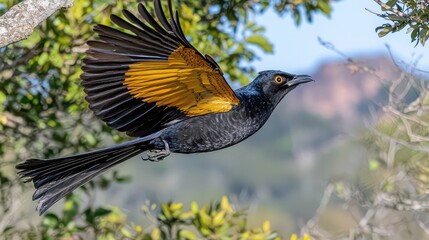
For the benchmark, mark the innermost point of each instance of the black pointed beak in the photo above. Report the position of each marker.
(299, 79)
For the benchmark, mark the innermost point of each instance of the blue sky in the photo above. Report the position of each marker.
(350, 29)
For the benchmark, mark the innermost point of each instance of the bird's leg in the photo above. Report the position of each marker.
(155, 155)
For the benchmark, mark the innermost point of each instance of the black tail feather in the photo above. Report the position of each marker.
(54, 178)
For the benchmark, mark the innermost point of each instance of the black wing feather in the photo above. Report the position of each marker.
(150, 34)
(109, 59)
(149, 19)
(160, 15)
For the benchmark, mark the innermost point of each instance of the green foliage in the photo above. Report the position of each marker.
(405, 13)
(214, 221)
(304, 7)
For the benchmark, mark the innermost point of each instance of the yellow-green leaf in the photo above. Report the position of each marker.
(156, 234)
(185, 234)
(219, 219)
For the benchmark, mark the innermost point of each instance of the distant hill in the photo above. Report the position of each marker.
(343, 90)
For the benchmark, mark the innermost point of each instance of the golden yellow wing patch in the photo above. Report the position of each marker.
(186, 81)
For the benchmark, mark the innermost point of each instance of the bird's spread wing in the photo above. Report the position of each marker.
(143, 81)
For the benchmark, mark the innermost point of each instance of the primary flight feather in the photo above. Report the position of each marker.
(154, 85)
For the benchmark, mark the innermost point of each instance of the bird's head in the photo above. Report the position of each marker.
(276, 84)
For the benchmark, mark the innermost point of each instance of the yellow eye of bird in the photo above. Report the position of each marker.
(278, 79)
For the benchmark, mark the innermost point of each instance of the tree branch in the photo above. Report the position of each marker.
(398, 13)
(19, 22)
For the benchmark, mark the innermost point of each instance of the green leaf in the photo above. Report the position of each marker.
(414, 34)
(324, 7)
(100, 212)
(194, 207)
(71, 208)
(2, 100)
(391, 3)
(185, 234)
(389, 187)
(204, 219)
(219, 219)
(126, 232)
(56, 59)
(259, 29)
(89, 216)
(32, 40)
(260, 41)
(424, 35)
(53, 123)
(43, 59)
(384, 32)
(90, 138)
(3, 179)
(395, 17)
(166, 211)
(297, 17)
(373, 164)
(156, 234)
(121, 179)
(51, 221)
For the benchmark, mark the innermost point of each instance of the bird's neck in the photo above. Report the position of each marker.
(254, 103)
(251, 94)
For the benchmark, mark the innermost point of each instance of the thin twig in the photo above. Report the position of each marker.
(387, 7)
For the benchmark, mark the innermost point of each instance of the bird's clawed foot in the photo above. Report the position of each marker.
(155, 155)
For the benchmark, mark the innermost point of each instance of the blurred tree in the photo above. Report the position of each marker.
(390, 198)
(405, 13)
(42, 107)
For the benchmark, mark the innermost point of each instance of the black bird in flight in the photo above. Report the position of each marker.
(154, 85)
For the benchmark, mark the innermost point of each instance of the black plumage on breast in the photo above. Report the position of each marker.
(220, 130)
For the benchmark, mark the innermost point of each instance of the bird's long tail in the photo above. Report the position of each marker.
(54, 178)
